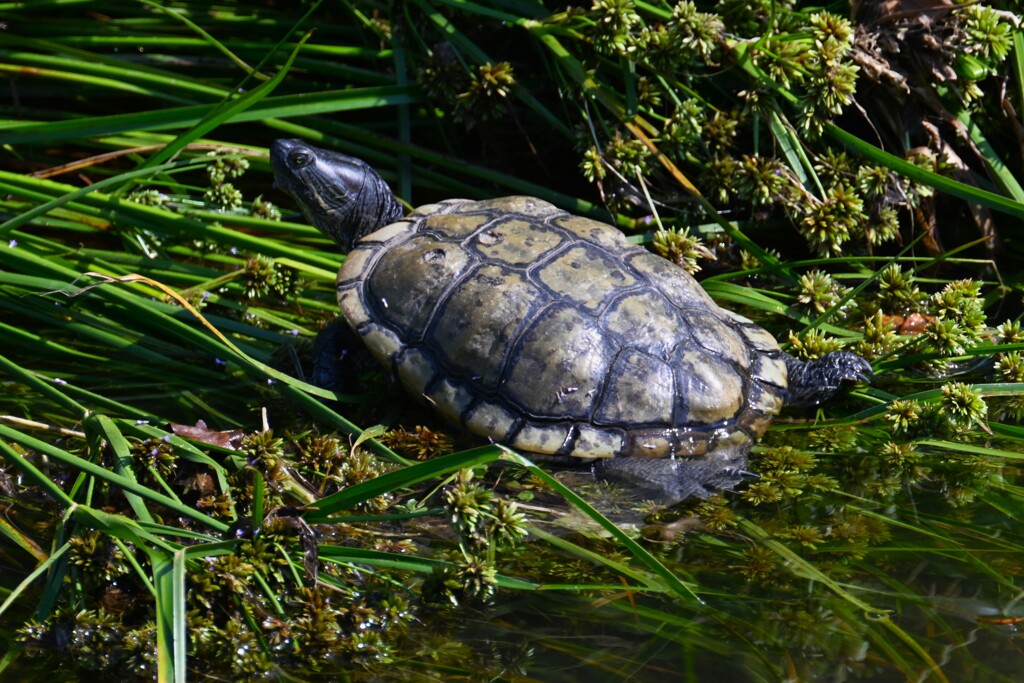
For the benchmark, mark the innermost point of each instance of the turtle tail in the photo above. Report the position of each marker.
(812, 382)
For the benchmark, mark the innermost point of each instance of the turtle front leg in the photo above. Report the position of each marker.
(339, 357)
(812, 382)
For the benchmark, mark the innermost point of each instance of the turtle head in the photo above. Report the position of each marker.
(341, 195)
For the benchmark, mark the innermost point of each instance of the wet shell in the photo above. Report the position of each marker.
(551, 333)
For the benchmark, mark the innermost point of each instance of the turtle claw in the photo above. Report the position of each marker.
(813, 382)
(859, 369)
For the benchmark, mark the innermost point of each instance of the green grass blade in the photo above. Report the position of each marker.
(407, 476)
(914, 172)
(164, 580)
(672, 582)
(44, 567)
(997, 168)
(75, 194)
(100, 472)
(420, 565)
(96, 424)
(226, 112)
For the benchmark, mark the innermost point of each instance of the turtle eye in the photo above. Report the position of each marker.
(300, 159)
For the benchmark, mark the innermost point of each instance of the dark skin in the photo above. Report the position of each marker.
(341, 195)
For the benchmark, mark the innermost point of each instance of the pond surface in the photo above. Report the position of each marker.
(854, 558)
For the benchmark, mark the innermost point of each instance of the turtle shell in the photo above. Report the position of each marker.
(553, 334)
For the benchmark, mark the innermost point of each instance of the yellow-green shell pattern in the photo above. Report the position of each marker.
(551, 333)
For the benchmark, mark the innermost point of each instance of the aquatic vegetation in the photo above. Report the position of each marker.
(845, 181)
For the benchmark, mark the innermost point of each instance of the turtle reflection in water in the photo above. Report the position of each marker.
(550, 332)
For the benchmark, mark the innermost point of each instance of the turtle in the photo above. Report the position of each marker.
(551, 333)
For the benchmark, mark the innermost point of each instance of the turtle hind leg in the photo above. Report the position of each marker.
(671, 480)
(812, 382)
